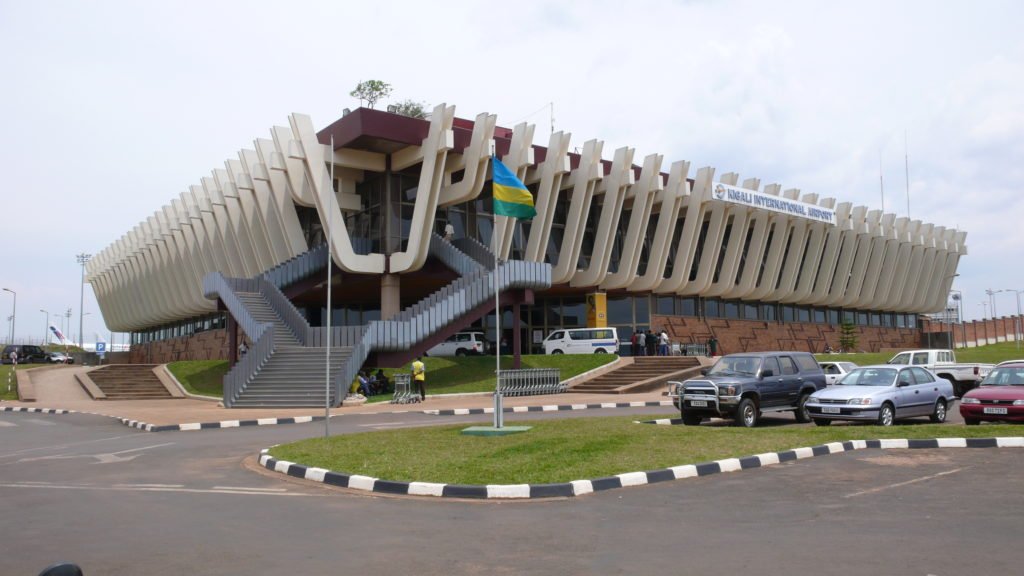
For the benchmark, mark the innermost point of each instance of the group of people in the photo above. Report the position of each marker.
(650, 344)
(371, 385)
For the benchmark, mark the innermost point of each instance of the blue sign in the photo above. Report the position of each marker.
(101, 347)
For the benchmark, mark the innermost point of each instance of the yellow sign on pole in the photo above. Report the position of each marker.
(597, 310)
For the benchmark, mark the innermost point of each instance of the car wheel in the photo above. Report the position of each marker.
(939, 414)
(972, 421)
(886, 415)
(746, 413)
(822, 422)
(600, 351)
(692, 420)
(460, 352)
(802, 416)
(556, 352)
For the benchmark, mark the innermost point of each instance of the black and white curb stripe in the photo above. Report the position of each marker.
(548, 408)
(217, 425)
(581, 487)
(36, 410)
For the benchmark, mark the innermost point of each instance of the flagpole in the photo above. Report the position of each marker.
(499, 415)
(330, 220)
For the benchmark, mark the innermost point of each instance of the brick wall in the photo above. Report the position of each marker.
(207, 345)
(977, 332)
(753, 335)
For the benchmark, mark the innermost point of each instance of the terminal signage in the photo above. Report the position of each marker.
(754, 199)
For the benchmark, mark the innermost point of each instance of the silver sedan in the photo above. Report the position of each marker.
(882, 394)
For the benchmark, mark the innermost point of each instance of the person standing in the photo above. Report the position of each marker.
(632, 341)
(663, 342)
(641, 342)
(419, 376)
(652, 343)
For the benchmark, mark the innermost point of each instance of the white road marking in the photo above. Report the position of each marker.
(899, 484)
(135, 485)
(40, 422)
(104, 458)
(144, 488)
(59, 446)
(250, 488)
(6, 424)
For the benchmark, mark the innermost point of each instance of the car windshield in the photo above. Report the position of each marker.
(736, 366)
(870, 377)
(1005, 376)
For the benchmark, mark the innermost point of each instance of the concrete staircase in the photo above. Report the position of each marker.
(646, 373)
(129, 382)
(286, 362)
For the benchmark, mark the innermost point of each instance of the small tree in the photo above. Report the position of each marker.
(847, 336)
(371, 91)
(410, 108)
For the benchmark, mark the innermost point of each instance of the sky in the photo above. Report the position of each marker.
(113, 108)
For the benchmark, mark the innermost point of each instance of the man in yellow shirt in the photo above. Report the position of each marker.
(419, 376)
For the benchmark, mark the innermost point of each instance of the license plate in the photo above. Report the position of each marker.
(699, 403)
(994, 410)
(830, 410)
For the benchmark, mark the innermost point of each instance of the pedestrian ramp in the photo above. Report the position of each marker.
(644, 374)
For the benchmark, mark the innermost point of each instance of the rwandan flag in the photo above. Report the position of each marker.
(511, 198)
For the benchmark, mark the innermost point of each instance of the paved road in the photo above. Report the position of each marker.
(119, 501)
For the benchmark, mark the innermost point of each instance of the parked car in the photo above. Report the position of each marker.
(462, 344)
(582, 341)
(1000, 397)
(943, 364)
(883, 394)
(26, 353)
(743, 386)
(60, 358)
(834, 371)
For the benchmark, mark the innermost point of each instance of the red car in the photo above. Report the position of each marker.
(999, 397)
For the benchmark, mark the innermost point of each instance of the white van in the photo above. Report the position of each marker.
(461, 344)
(582, 341)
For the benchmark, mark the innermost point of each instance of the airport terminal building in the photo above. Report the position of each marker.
(400, 209)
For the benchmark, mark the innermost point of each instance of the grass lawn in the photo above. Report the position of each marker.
(990, 354)
(574, 449)
(204, 377)
(6, 372)
(444, 375)
(449, 375)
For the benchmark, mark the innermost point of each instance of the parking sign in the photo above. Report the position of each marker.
(101, 347)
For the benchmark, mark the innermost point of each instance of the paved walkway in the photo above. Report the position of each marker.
(57, 388)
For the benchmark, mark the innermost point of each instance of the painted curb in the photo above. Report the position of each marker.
(190, 426)
(548, 408)
(37, 410)
(582, 487)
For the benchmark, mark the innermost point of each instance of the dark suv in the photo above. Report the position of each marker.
(27, 353)
(744, 386)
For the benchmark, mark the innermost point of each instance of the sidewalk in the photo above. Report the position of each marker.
(57, 388)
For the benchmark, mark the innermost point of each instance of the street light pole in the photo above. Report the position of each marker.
(14, 312)
(1016, 321)
(46, 326)
(82, 259)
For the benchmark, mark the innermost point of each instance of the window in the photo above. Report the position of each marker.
(732, 309)
(788, 366)
(557, 336)
(819, 316)
(688, 306)
(772, 363)
(906, 378)
(643, 309)
(750, 312)
(922, 376)
(666, 305)
(787, 314)
(920, 358)
(901, 359)
(807, 363)
(711, 308)
(830, 369)
(803, 315)
(768, 312)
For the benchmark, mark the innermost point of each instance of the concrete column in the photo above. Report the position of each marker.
(390, 296)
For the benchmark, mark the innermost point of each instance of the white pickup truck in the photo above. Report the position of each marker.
(964, 377)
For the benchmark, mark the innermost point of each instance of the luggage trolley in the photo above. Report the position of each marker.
(404, 394)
